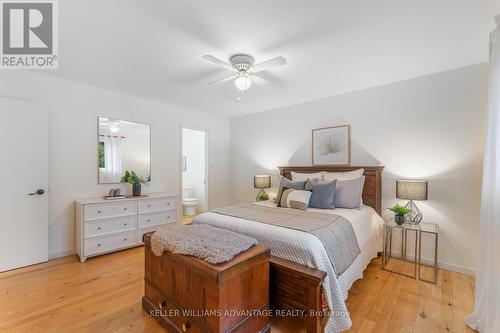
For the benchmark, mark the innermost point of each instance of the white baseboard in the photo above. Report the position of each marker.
(457, 268)
(64, 253)
(441, 264)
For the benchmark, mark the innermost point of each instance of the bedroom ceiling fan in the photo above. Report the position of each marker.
(245, 71)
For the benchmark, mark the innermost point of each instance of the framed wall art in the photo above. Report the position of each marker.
(331, 145)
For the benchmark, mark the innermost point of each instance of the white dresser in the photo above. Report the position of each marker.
(103, 226)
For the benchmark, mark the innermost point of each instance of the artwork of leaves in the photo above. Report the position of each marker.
(331, 146)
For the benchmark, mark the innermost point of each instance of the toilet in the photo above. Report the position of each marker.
(189, 202)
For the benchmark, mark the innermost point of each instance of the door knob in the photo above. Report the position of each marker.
(39, 192)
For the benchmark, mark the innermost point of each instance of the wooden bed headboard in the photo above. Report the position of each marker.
(372, 191)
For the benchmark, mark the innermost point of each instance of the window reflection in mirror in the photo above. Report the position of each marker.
(123, 145)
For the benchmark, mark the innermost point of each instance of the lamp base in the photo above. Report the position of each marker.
(259, 194)
(415, 215)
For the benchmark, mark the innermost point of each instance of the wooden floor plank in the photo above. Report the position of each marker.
(367, 293)
(429, 307)
(404, 315)
(462, 302)
(446, 302)
(104, 295)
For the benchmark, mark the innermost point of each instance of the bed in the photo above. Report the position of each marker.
(302, 276)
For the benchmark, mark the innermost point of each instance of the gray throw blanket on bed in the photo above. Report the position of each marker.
(334, 231)
(210, 244)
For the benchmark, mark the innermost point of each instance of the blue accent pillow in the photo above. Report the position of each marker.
(285, 182)
(323, 194)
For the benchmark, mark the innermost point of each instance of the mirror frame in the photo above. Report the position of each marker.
(97, 147)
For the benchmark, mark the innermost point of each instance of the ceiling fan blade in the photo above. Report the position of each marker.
(277, 61)
(258, 79)
(268, 77)
(216, 61)
(224, 79)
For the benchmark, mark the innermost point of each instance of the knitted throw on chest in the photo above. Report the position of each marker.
(210, 244)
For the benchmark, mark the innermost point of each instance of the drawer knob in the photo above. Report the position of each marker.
(99, 228)
(149, 220)
(168, 216)
(125, 208)
(125, 239)
(99, 212)
(99, 244)
(162, 304)
(186, 326)
(168, 203)
(149, 206)
(125, 223)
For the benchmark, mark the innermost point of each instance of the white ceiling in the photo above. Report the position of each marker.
(154, 48)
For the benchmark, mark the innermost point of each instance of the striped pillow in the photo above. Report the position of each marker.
(286, 183)
(297, 199)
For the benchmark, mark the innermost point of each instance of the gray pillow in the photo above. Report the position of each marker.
(285, 182)
(322, 195)
(348, 193)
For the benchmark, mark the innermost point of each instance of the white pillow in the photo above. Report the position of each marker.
(297, 176)
(348, 175)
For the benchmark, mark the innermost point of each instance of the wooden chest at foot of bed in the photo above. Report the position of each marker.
(186, 294)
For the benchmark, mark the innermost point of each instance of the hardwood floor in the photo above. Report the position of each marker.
(104, 295)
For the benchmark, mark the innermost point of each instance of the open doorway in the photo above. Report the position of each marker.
(194, 173)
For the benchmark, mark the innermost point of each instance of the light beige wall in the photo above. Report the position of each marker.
(430, 127)
(73, 112)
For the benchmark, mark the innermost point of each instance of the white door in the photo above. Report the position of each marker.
(23, 188)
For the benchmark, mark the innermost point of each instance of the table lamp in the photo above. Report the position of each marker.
(261, 182)
(412, 190)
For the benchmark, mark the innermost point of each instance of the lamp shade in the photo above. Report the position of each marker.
(411, 189)
(262, 181)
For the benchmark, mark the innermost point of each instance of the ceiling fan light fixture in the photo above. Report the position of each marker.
(243, 82)
(243, 67)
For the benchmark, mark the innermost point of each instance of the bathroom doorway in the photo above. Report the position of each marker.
(194, 171)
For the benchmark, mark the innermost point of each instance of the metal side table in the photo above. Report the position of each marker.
(433, 230)
(406, 231)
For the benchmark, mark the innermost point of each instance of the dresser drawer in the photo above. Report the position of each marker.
(110, 243)
(147, 220)
(100, 211)
(155, 205)
(114, 225)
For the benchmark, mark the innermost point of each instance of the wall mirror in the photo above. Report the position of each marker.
(122, 145)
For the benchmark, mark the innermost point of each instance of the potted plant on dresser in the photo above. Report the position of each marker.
(133, 182)
(400, 213)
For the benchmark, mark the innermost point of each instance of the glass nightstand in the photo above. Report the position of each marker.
(410, 234)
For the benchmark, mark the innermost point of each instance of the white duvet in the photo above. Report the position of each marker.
(307, 249)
